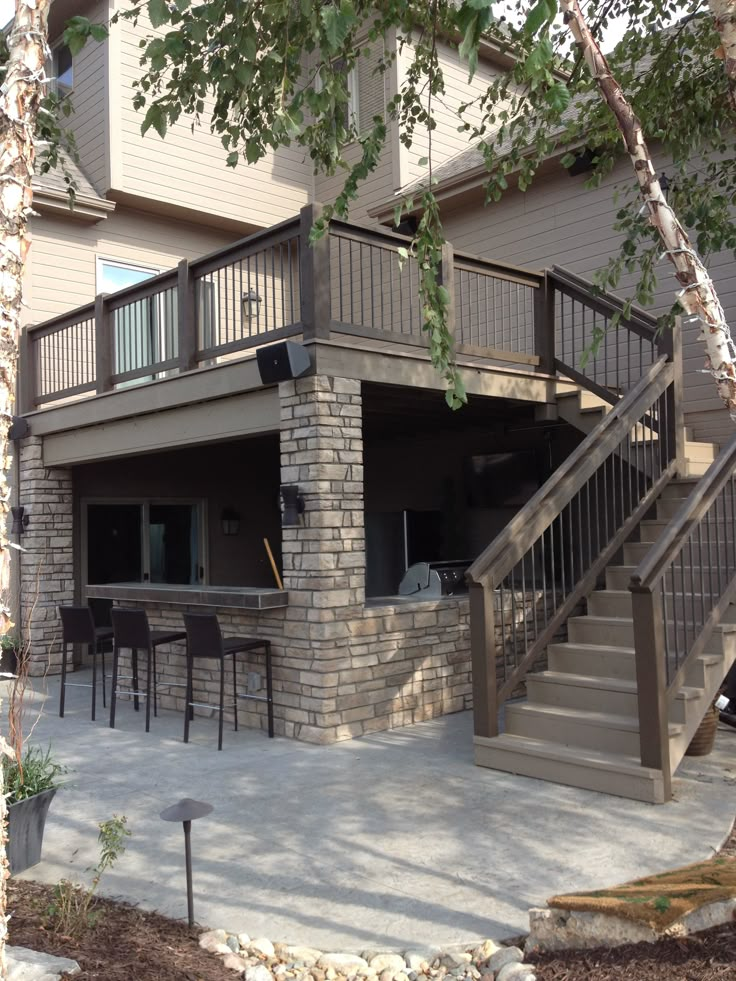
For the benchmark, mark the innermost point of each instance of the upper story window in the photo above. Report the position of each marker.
(63, 69)
(113, 275)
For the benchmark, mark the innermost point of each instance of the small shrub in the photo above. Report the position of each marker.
(71, 911)
(36, 772)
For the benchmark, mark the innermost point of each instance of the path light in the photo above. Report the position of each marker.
(186, 811)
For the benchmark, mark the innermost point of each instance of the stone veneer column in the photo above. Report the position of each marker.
(324, 560)
(47, 563)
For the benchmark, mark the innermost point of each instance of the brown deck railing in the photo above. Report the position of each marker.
(274, 284)
(555, 547)
(680, 592)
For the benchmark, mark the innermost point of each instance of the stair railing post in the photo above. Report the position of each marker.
(544, 325)
(315, 277)
(651, 681)
(186, 318)
(671, 345)
(483, 659)
(104, 357)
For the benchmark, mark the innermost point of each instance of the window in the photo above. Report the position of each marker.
(144, 541)
(144, 331)
(63, 69)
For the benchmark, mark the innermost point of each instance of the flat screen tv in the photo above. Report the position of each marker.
(503, 480)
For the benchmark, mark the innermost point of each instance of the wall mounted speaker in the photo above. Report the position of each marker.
(282, 362)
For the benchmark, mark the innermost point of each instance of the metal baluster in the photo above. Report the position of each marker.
(360, 260)
(273, 288)
(666, 633)
(371, 252)
(502, 598)
(691, 588)
(562, 553)
(524, 604)
(513, 622)
(534, 591)
(702, 575)
(544, 578)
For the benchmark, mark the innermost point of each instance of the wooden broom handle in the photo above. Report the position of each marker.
(271, 559)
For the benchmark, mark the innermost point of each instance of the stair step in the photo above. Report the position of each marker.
(592, 659)
(588, 769)
(679, 488)
(617, 602)
(604, 731)
(695, 468)
(593, 629)
(634, 552)
(651, 528)
(701, 452)
(619, 576)
(584, 691)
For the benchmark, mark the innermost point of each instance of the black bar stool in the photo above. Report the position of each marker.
(78, 627)
(205, 640)
(132, 631)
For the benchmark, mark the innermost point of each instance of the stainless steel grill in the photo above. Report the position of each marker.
(430, 580)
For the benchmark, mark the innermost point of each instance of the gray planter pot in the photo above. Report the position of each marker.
(26, 822)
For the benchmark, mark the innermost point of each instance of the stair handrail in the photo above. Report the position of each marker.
(668, 636)
(529, 522)
(613, 478)
(638, 319)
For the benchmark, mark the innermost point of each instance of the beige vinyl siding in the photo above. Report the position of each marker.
(446, 140)
(188, 168)
(89, 120)
(63, 259)
(559, 221)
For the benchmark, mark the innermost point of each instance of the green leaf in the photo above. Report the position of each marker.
(423, 161)
(539, 59)
(337, 24)
(557, 97)
(233, 158)
(568, 160)
(155, 118)
(542, 13)
(158, 12)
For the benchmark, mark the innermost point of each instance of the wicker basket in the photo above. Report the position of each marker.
(705, 735)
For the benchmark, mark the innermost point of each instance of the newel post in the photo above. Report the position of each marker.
(315, 277)
(483, 660)
(671, 344)
(447, 279)
(27, 375)
(544, 324)
(104, 357)
(186, 321)
(651, 681)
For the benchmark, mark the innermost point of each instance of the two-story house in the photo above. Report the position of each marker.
(161, 451)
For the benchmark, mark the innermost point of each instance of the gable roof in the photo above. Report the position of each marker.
(51, 193)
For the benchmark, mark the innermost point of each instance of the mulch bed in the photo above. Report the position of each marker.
(126, 943)
(129, 944)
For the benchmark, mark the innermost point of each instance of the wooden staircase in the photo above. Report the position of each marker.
(608, 598)
(580, 724)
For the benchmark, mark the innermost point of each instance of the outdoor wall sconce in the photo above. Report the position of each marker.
(292, 506)
(230, 521)
(20, 521)
(250, 301)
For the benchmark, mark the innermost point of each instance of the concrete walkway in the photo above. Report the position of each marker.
(394, 840)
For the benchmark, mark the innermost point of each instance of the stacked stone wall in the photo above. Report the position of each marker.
(47, 561)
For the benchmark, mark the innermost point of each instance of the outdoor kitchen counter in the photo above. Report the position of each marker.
(236, 597)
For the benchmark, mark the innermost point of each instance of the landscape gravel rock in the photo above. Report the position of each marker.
(264, 960)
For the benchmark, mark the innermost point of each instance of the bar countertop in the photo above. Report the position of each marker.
(237, 597)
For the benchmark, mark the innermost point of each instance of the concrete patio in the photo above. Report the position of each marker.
(390, 841)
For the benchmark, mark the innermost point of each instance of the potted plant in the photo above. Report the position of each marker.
(30, 784)
(9, 647)
(30, 776)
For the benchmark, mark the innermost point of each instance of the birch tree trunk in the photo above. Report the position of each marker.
(724, 17)
(20, 96)
(698, 295)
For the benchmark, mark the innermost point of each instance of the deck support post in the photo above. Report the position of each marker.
(103, 344)
(544, 325)
(185, 310)
(315, 277)
(651, 682)
(27, 375)
(483, 660)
